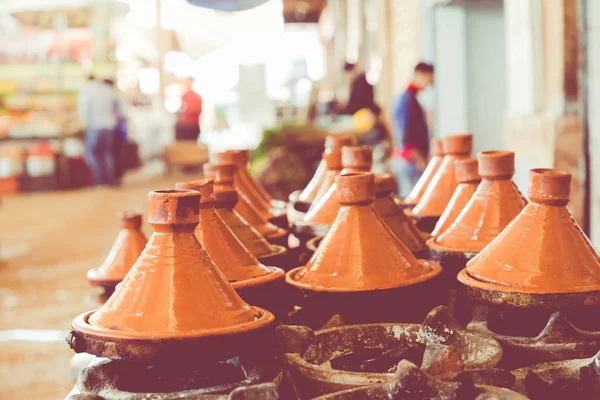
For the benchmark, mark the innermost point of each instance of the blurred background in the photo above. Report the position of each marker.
(270, 76)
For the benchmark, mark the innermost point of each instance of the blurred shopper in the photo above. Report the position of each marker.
(411, 134)
(361, 91)
(99, 107)
(378, 137)
(188, 118)
(120, 133)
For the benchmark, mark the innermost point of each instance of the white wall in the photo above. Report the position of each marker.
(593, 14)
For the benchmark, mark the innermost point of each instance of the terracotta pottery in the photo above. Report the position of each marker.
(360, 253)
(496, 202)
(437, 155)
(124, 253)
(333, 162)
(357, 159)
(443, 184)
(543, 250)
(468, 179)
(173, 295)
(333, 143)
(402, 225)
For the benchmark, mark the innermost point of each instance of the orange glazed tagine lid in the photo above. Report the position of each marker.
(468, 179)
(360, 253)
(238, 265)
(174, 291)
(443, 184)
(357, 158)
(437, 155)
(495, 203)
(226, 198)
(124, 253)
(543, 250)
(333, 162)
(393, 215)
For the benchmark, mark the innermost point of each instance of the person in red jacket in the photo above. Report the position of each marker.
(188, 117)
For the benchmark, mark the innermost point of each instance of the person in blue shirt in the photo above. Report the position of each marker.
(411, 135)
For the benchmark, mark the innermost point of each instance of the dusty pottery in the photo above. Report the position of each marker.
(437, 155)
(394, 217)
(303, 200)
(443, 184)
(468, 179)
(125, 251)
(352, 356)
(226, 198)
(255, 283)
(347, 272)
(495, 203)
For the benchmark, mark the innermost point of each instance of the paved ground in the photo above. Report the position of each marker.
(47, 243)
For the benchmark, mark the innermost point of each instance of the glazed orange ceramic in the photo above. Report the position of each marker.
(360, 252)
(357, 158)
(394, 217)
(174, 289)
(238, 265)
(437, 155)
(225, 200)
(333, 162)
(324, 211)
(443, 184)
(542, 250)
(124, 253)
(468, 179)
(252, 216)
(495, 203)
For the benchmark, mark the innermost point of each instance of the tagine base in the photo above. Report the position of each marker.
(272, 295)
(306, 232)
(452, 263)
(280, 220)
(281, 257)
(279, 239)
(425, 224)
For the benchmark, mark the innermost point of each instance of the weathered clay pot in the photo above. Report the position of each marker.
(443, 184)
(174, 304)
(255, 283)
(333, 162)
(495, 203)
(437, 155)
(395, 218)
(360, 262)
(468, 179)
(124, 253)
(303, 200)
(357, 159)
(226, 198)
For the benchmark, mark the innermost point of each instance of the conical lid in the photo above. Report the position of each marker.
(437, 155)
(324, 211)
(174, 289)
(441, 188)
(542, 250)
(226, 251)
(495, 203)
(252, 216)
(225, 200)
(468, 179)
(401, 224)
(360, 252)
(333, 162)
(357, 158)
(333, 143)
(124, 253)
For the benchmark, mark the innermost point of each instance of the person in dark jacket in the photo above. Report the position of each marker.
(411, 135)
(361, 91)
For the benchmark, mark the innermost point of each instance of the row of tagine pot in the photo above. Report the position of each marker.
(206, 309)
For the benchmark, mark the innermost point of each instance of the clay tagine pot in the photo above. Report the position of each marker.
(468, 179)
(270, 209)
(360, 263)
(174, 304)
(226, 197)
(357, 159)
(255, 283)
(542, 259)
(303, 200)
(395, 218)
(333, 163)
(437, 155)
(124, 253)
(495, 203)
(443, 184)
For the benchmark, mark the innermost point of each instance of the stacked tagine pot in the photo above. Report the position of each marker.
(361, 267)
(256, 283)
(495, 203)
(125, 251)
(437, 155)
(174, 324)
(436, 197)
